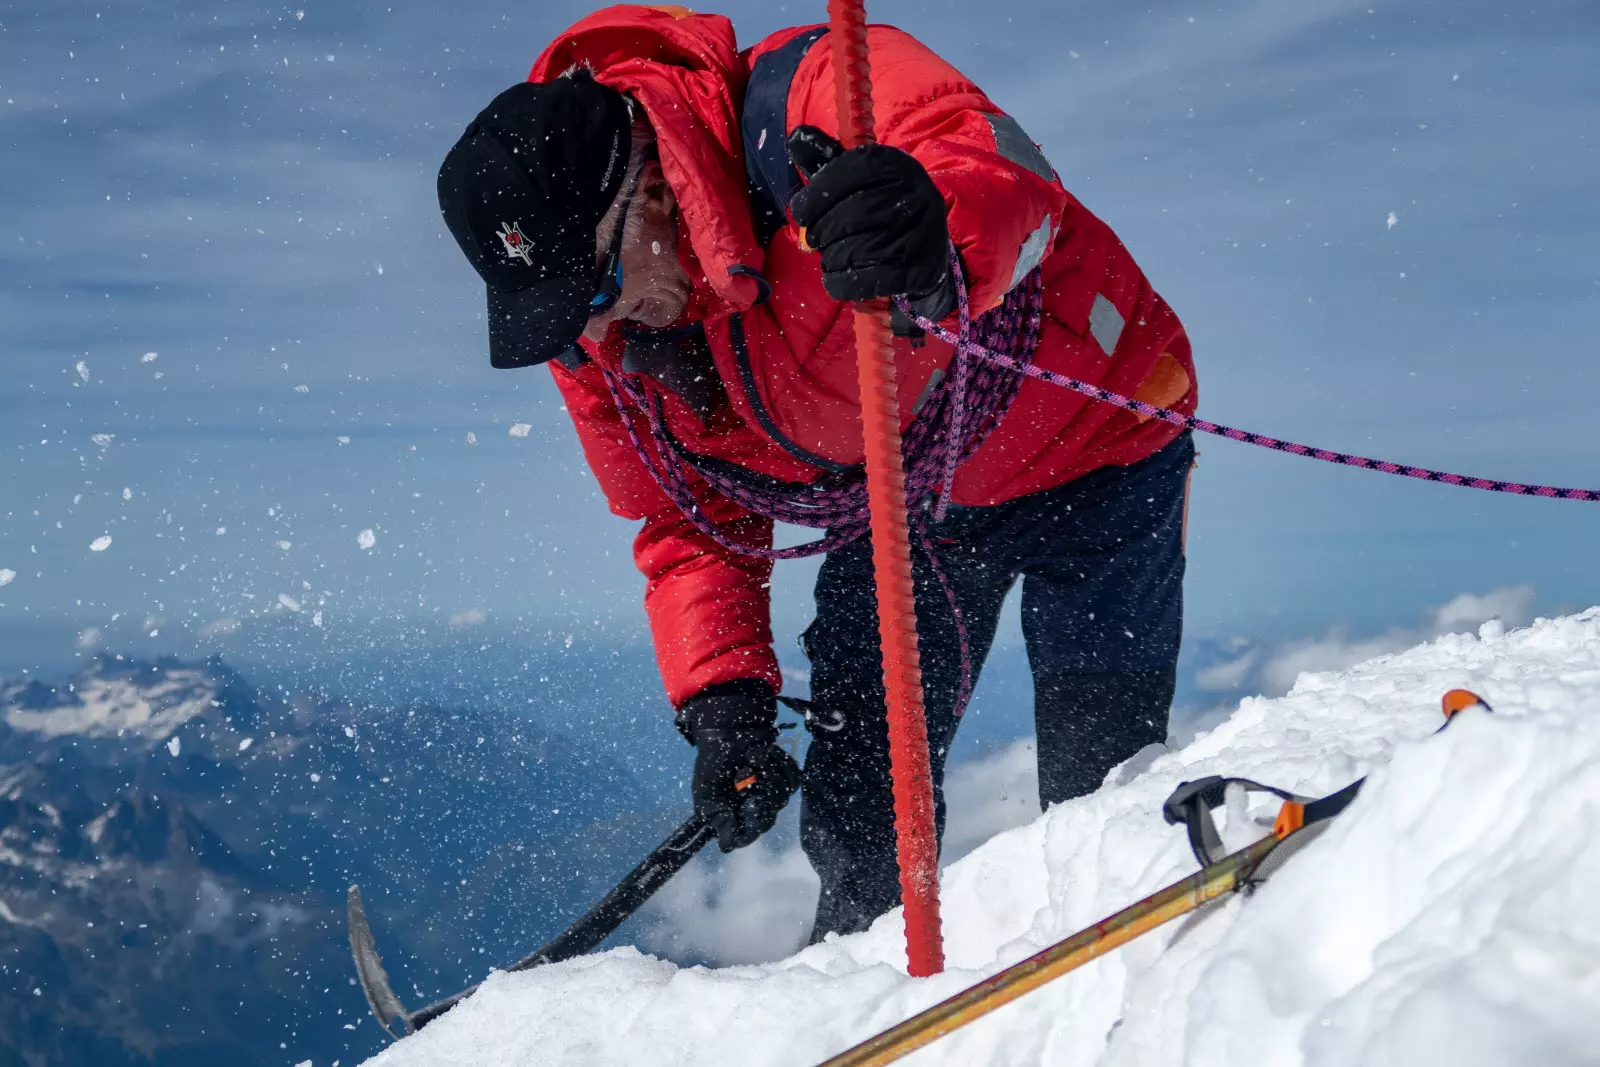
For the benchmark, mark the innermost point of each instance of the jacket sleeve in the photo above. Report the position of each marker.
(709, 607)
(1004, 202)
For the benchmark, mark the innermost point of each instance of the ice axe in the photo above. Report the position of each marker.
(584, 935)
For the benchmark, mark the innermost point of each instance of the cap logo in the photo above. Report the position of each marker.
(516, 245)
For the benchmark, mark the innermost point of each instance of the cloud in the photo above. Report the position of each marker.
(1229, 674)
(1273, 670)
(752, 906)
(221, 628)
(1512, 605)
(757, 904)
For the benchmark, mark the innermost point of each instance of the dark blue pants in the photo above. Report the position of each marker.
(1101, 562)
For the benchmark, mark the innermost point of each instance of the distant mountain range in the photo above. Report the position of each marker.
(175, 844)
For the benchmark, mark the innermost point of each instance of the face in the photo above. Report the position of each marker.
(655, 287)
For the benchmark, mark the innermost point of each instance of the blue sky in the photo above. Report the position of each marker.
(1377, 221)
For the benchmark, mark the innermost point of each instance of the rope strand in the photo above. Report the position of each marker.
(1232, 433)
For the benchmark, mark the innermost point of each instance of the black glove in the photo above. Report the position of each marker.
(742, 779)
(876, 217)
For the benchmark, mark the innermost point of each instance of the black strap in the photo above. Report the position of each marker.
(747, 381)
(1191, 804)
(764, 127)
(1332, 804)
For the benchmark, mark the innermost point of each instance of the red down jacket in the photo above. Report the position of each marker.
(709, 607)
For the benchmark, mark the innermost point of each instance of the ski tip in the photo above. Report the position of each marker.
(1459, 700)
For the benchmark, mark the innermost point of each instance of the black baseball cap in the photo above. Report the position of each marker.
(522, 192)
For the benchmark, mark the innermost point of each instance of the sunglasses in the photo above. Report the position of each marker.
(608, 280)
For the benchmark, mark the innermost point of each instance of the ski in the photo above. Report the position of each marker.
(584, 935)
(1300, 820)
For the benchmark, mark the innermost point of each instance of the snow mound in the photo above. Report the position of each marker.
(1446, 918)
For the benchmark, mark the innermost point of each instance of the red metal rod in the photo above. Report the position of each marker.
(915, 838)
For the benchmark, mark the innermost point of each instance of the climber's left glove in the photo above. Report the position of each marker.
(876, 217)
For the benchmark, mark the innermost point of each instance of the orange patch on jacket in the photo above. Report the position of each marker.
(675, 10)
(1165, 385)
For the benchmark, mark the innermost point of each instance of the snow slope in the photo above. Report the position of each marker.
(1447, 918)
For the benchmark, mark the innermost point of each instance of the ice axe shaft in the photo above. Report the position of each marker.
(1180, 898)
(584, 935)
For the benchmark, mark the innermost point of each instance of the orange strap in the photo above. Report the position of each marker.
(1291, 817)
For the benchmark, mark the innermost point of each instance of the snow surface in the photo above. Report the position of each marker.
(1448, 917)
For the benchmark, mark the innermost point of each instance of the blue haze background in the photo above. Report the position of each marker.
(1378, 223)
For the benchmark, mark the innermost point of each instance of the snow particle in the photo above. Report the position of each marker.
(174, 745)
(148, 357)
(101, 543)
(286, 545)
(472, 438)
(127, 494)
(521, 429)
(1391, 220)
(288, 601)
(103, 439)
(221, 530)
(7, 575)
(316, 618)
(246, 743)
(82, 369)
(366, 538)
(342, 439)
(302, 388)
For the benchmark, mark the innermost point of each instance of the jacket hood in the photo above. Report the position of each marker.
(685, 70)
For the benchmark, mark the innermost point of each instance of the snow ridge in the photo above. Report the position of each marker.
(1446, 918)
(106, 703)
